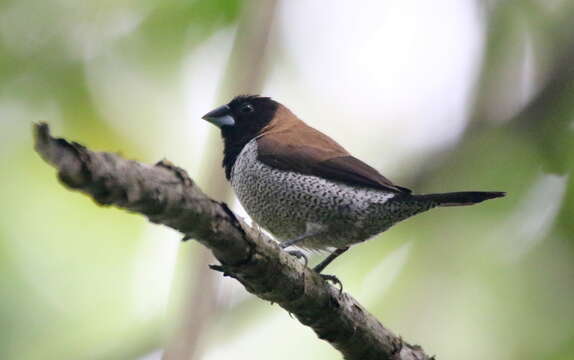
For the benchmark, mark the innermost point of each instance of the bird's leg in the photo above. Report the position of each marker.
(286, 244)
(329, 259)
(311, 230)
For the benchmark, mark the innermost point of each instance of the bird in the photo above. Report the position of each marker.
(306, 189)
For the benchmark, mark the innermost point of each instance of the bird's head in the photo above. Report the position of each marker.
(243, 117)
(241, 120)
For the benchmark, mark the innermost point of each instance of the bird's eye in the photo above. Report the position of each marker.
(247, 108)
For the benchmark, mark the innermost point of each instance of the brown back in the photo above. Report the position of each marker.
(287, 143)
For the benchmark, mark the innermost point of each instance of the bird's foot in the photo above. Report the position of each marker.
(299, 255)
(334, 280)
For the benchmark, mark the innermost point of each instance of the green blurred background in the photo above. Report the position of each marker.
(441, 96)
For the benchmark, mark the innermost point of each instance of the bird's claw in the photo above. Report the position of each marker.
(333, 279)
(299, 255)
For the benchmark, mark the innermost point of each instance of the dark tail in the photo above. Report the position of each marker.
(460, 198)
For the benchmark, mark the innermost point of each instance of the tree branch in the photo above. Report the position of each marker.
(166, 195)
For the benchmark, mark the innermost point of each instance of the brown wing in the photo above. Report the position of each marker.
(305, 150)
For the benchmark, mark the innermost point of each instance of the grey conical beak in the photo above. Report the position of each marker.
(220, 116)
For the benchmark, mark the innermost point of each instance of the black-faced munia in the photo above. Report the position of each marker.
(306, 189)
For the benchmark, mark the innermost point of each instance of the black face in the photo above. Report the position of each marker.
(240, 121)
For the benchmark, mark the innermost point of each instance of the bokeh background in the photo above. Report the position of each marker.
(439, 95)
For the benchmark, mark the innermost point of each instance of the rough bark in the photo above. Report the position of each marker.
(245, 73)
(166, 195)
